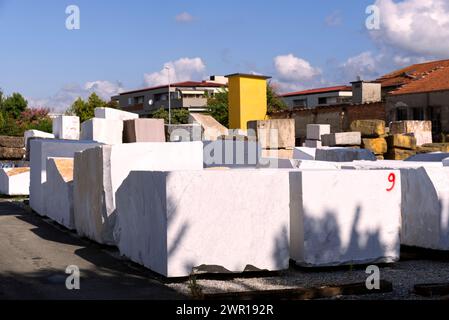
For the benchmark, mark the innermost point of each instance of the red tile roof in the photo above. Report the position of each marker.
(185, 84)
(319, 90)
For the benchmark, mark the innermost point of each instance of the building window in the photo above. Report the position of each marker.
(130, 101)
(322, 100)
(418, 113)
(401, 114)
(300, 103)
(138, 100)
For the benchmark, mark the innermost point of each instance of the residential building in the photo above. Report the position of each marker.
(309, 99)
(191, 95)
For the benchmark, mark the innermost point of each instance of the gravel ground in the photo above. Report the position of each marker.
(403, 275)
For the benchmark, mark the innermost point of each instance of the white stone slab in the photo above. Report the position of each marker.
(312, 164)
(315, 131)
(344, 217)
(114, 114)
(425, 208)
(304, 153)
(179, 220)
(100, 172)
(36, 134)
(388, 164)
(313, 144)
(342, 139)
(102, 130)
(59, 191)
(446, 162)
(15, 181)
(66, 127)
(343, 154)
(429, 157)
(40, 151)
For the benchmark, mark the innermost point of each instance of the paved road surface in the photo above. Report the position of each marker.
(34, 255)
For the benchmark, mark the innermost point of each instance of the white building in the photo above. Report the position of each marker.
(318, 97)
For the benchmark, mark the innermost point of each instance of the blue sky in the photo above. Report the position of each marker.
(125, 44)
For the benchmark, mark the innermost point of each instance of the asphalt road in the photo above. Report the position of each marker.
(34, 255)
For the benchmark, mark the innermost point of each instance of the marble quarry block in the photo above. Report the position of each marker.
(59, 191)
(100, 172)
(421, 130)
(40, 151)
(102, 130)
(446, 162)
(375, 145)
(399, 154)
(343, 217)
(313, 144)
(274, 133)
(304, 153)
(184, 132)
(315, 131)
(342, 139)
(144, 130)
(230, 153)
(401, 141)
(429, 157)
(114, 114)
(425, 207)
(15, 181)
(176, 221)
(278, 153)
(369, 128)
(34, 134)
(66, 127)
(344, 154)
(388, 164)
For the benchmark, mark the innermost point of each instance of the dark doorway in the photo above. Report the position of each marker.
(435, 117)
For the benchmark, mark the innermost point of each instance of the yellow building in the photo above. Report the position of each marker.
(247, 99)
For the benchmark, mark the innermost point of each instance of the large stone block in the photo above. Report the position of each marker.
(433, 147)
(114, 114)
(12, 153)
(369, 128)
(421, 130)
(144, 130)
(66, 127)
(345, 217)
(12, 142)
(313, 144)
(102, 130)
(399, 154)
(389, 164)
(280, 153)
(176, 221)
(184, 132)
(375, 145)
(304, 153)
(40, 151)
(401, 141)
(428, 157)
(425, 207)
(15, 181)
(446, 162)
(342, 139)
(99, 173)
(344, 154)
(235, 154)
(315, 131)
(59, 191)
(34, 134)
(274, 133)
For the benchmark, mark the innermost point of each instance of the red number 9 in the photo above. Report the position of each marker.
(392, 180)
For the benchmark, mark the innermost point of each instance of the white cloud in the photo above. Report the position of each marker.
(365, 65)
(180, 70)
(184, 17)
(64, 98)
(418, 27)
(293, 73)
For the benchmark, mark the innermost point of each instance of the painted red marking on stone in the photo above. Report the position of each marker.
(392, 180)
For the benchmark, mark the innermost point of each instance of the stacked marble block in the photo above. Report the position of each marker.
(373, 136)
(15, 181)
(40, 151)
(421, 130)
(282, 215)
(100, 172)
(314, 133)
(29, 135)
(144, 130)
(66, 127)
(107, 126)
(400, 146)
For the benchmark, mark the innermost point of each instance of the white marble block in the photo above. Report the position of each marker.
(100, 172)
(59, 191)
(315, 131)
(313, 144)
(342, 139)
(102, 130)
(29, 134)
(428, 157)
(40, 151)
(344, 154)
(231, 153)
(343, 217)
(114, 114)
(15, 181)
(446, 162)
(176, 221)
(304, 153)
(66, 127)
(425, 208)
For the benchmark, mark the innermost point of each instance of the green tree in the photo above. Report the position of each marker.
(14, 105)
(217, 106)
(274, 101)
(85, 110)
(178, 115)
